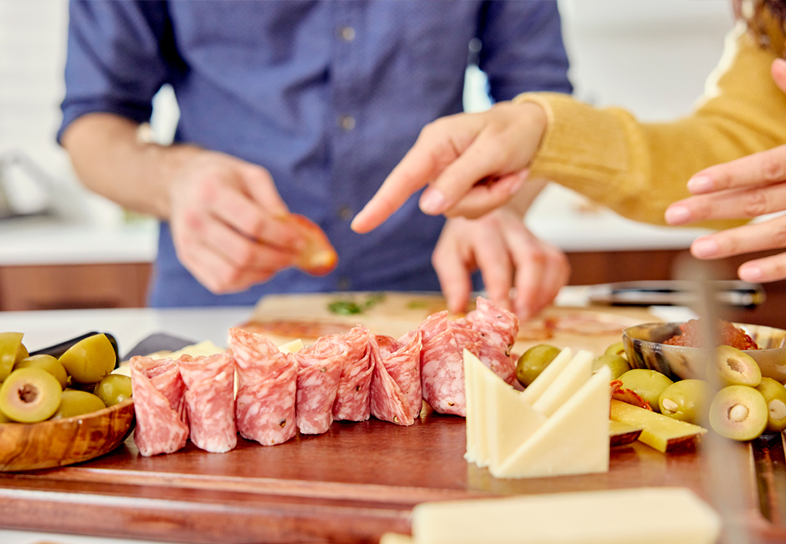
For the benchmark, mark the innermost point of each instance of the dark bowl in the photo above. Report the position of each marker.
(645, 349)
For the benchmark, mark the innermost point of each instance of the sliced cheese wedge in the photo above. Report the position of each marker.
(640, 516)
(574, 440)
(575, 374)
(660, 432)
(547, 376)
(508, 420)
(291, 347)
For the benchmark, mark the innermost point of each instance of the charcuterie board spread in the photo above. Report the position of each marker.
(330, 416)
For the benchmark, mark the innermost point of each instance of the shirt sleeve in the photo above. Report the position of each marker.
(638, 169)
(522, 48)
(116, 59)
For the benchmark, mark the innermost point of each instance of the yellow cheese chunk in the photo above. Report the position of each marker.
(547, 376)
(574, 440)
(574, 375)
(660, 432)
(638, 516)
(395, 538)
(291, 347)
(195, 350)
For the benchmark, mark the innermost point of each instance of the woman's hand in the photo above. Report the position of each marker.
(508, 256)
(473, 163)
(745, 188)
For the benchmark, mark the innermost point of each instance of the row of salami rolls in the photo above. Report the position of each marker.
(340, 377)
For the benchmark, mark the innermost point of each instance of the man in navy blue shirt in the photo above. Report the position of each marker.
(304, 107)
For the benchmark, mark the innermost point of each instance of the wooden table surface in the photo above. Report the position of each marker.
(352, 484)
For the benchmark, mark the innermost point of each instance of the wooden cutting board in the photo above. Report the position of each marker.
(395, 314)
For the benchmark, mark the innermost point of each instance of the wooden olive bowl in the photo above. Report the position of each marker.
(31, 446)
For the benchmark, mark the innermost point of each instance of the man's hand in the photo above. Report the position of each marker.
(473, 163)
(745, 188)
(229, 223)
(508, 256)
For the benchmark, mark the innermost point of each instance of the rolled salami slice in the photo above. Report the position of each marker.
(353, 398)
(210, 400)
(159, 406)
(488, 332)
(319, 371)
(400, 361)
(267, 383)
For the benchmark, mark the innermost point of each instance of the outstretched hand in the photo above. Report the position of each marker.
(472, 163)
(744, 188)
(508, 256)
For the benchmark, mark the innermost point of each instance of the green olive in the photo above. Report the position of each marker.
(616, 364)
(89, 360)
(648, 384)
(774, 394)
(533, 362)
(686, 400)
(30, 395)
(617, 349)
(739, 412)
(11, 352)
(76, 403)
(730, 366)
(113, 389)
(48, 363)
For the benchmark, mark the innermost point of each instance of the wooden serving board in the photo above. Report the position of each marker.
(398, 313)
(352, 484)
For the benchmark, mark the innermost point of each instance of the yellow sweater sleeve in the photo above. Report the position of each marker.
(638, 169)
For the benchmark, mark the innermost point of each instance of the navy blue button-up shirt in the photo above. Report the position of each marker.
(327, 95)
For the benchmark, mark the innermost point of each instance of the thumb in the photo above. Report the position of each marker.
(778, 71)
(260, 186)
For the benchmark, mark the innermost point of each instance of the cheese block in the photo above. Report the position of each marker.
(508, 420)
(291, 347)
(574, 440)
(621, 434)
(660, 432)
(575, 374)
(547, 376)
(640, 516)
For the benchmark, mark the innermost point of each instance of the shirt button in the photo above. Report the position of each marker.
(347, 122)
(344, 213)
(343, 283)
(346, 33)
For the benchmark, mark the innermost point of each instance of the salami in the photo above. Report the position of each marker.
(488, 332)
(210, 400)
(267, 382)
(396, 392)
(319, 371)
(353, 399)
(159, 406)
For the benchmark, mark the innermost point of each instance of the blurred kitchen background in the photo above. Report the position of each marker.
(61, 247)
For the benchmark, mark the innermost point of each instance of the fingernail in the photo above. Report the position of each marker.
(751, 273)
(781, 63)
(520, 179)
(432, 201)
(677, 214)
(700, 184)
(704, 248)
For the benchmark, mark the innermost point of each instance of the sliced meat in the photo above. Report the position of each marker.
(266, 394)
(159, 406)
(396, 391)
(210, 400)
(354, 386)
(319, 371)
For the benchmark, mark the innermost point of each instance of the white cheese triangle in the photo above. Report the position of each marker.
(547, 376)
(574, 440)
(574, 375)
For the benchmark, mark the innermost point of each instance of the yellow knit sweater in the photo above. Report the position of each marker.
(638, 169)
